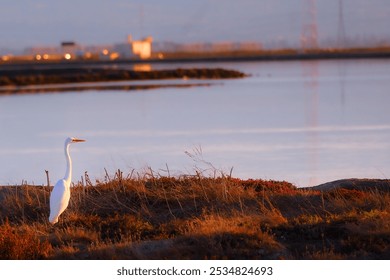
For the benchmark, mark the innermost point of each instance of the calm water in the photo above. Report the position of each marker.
(304, 122)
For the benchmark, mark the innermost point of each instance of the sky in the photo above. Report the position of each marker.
(25, 23)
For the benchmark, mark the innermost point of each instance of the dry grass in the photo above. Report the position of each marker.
(195, 217)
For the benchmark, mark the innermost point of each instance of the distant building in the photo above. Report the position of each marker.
(142, 48)
(71, 50)
(67, 50)
(132, 49)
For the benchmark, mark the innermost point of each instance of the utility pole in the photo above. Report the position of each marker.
(309, 36)
(341, 38)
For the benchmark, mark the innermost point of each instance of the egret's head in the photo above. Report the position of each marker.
(73, 140)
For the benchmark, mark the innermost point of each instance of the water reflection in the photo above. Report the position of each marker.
(311, 76)
(342, 73)
(145, 67)
(285, 122)
(98, 86)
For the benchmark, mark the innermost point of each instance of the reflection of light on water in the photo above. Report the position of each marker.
(342, 72)
(286, 126)
(142, 67)
(311, 71)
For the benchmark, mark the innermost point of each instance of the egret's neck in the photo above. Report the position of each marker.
(68, 173)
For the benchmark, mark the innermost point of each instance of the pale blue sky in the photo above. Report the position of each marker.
(48, 22)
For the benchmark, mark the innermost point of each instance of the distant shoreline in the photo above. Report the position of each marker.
(79, 87)
(23, 76)
(276, 55)
(27, 80)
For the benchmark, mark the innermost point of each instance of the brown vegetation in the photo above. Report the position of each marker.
(195, 217)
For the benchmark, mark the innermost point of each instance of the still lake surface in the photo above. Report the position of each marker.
(306, 122)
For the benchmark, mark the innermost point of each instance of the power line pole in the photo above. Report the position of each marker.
(309, 36)
(341, 38)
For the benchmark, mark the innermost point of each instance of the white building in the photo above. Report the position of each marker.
(132, 49)
(142, 48)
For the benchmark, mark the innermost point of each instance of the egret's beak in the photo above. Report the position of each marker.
(77, 140)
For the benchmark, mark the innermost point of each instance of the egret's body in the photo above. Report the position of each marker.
(60, 195)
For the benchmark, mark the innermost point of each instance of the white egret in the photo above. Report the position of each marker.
(60, 195)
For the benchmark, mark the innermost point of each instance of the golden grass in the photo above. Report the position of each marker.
(195, 217)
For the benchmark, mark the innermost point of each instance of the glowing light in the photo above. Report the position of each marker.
(114, 56)
(45, 56)
(68, 56)
(142, 67)
(5, 58)
(38, 57)
(105, 52)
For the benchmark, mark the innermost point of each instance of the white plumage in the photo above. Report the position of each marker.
(60, 195)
